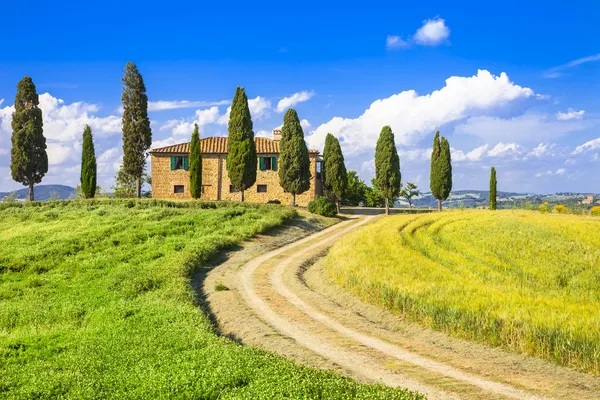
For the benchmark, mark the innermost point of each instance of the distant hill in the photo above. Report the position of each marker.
(44, 192)
(476, 198)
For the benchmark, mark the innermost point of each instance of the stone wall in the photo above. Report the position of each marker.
(213, 165)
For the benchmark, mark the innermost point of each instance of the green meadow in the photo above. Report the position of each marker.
(96, 302)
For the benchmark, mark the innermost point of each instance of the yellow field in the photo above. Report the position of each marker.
(521, 280)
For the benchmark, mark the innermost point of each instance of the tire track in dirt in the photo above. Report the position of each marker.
(344, 356)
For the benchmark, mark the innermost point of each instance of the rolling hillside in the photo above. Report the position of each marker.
(44, 192)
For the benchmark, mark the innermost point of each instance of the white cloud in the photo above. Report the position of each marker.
(474, 155)
(395, 42)
(414, 154)
(524, 127)
(162, 105)
(58, 153)
(294, 99)
(541, 149)
(506, 149)
(590, 145)
(432, 33)
(569, 115)
(411, 116)
(305, 124)
(560, 171)
(557, 72)
(265, 134)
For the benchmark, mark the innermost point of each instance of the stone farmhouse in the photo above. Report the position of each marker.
(171, 178)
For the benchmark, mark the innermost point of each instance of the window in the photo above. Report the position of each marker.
(233, 189)
(261, 188)
(319, 169)
(178, 189)
(268, 163)
(179, 162)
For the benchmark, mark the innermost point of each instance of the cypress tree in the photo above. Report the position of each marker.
(387, 167)
(493, 185)
(440, 179)
(29, 160)
(336, 177)
(294, 162)
(137, 135)
(195, 165)
(241, 149)
(88, 164)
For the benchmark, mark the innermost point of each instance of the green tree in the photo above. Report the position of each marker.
(125, 185)
(294, 162)
(493, 185)
(373, 197)
(137, 135)
(241, 149)
(409, 192)
(355, 192)
(441, 170)
(88, 164)
(336, 177)
(387, 167)
(195, 165)
(29, 160)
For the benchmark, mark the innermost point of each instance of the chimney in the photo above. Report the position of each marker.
(277, 134)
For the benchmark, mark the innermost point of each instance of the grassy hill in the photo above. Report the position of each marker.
(44, 192)
(480, 198)
(97, 303)
(522, 280)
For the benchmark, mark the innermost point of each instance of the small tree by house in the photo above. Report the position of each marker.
(387, 167)
(355, 191)
(125, 185)
(336, 177)
(137, 135)
(241, 157)
(441, 170)
(294, 161)
(493, 185)
(29, 160)
(88, 165)
(410, 191)
(195, 165)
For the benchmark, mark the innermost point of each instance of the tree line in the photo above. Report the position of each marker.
(29, 159)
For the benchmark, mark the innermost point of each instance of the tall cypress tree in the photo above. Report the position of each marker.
(336, 177)
(440, 180)
(493, 185)
(387, 167)
(241, 149)
(294, 161)
(29, 160)
(88, 164)
(195, 165)
(137, 135)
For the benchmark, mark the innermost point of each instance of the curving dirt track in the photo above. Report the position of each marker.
(281, 300)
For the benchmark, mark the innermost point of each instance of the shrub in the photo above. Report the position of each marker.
(544, 207)
(322, 206)
(561, 209)
(595, 211)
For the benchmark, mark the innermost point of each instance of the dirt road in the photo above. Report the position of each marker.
(283, 302)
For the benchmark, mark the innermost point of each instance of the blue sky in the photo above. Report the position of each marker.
(513, 85)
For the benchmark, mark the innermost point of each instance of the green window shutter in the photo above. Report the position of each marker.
(262, 163)
(172, 163)
(274, 163)
(186, 163)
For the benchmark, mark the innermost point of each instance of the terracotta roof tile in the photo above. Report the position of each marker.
(218, 144)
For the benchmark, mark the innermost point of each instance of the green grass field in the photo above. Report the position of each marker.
(520, 280)
(96, 302)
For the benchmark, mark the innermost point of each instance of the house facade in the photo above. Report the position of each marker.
(171, 177)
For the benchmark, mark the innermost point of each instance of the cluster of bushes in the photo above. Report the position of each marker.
(562, 209)
(322, 206)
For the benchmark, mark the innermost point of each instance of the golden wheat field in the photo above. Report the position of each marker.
(522, 280)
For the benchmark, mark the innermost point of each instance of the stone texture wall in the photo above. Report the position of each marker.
(164, 180)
